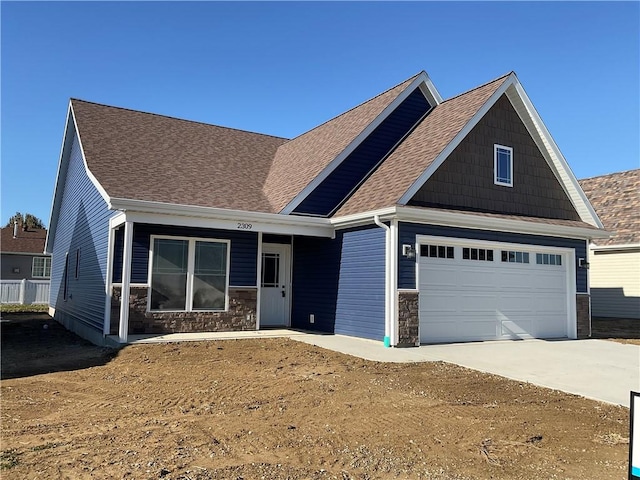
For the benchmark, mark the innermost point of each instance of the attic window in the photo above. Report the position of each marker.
(503, 165)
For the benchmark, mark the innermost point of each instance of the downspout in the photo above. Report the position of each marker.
(387, 281)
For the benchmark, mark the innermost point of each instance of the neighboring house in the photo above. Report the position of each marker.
(406, 219)
(614, 273)
(23, 254)
(24, 267)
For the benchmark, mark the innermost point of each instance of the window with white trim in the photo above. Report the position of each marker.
(188, 274)
(503, 165)
(41, 267)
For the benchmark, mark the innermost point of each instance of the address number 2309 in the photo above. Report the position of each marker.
(244, 226)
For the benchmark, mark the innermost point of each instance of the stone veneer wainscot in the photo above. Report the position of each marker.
(241, 315)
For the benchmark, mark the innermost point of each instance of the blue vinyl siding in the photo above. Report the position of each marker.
(341, 282)
(316, 271)
(83, 224)
(354, 169)
(408, 231)
(244, 251)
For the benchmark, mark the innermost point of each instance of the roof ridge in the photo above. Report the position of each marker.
(610, 174)
(176, 118)
(359, 105)
(479, 86)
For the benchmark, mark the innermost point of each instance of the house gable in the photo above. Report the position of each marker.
(329, 194)
(465, 180)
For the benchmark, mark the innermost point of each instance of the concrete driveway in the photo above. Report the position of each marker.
(598, 369)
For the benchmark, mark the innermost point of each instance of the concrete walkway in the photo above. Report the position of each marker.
(598, 369)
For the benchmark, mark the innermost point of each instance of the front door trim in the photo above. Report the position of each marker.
(284, 284)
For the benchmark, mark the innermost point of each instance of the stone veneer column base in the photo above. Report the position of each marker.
(583, 315)
(241, 315)
(408, 320)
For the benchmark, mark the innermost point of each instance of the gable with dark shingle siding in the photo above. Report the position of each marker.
(465, 180)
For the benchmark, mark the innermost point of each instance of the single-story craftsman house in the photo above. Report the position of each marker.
(614, 273)
(408, 219)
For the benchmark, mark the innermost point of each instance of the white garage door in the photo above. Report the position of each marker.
(489, 291)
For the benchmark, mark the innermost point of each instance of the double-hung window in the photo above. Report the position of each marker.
(41, 267)
(503, 165)
(188, 274)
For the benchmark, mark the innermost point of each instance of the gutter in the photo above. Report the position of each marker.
(388, 314)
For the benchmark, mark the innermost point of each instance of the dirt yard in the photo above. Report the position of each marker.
(280, 409)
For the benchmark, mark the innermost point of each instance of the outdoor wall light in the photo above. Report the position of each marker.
(408, 251)
(582, 263)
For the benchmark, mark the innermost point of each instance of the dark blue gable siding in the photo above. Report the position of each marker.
(408, 231)
(244, 251)
(82, 229)
(341, 282)
(355, 168)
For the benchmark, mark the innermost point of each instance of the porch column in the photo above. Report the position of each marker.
(106, 327)
(123, 330)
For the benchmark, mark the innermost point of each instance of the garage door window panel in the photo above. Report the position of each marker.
(437, 251)
(481, 254)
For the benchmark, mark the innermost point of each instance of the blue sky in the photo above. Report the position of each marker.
(282, 68)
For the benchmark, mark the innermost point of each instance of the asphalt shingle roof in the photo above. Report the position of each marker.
(27, 241)
(144, 156)
(616, 200)
(299, 161)
(402, 168)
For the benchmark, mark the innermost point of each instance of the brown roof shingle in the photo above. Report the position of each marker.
(27, 241)
(190, 163)
(143, 156)
(402, 168)
(299, 161)
(616, 200)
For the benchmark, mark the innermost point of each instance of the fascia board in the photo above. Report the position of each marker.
(365, 218)
(439, 160)
(322, 176)
(26, 254)
(622, 246)
(63, 161)
(479, 222)
(189, 215)
(71, 128)
(91, 176)
(432, 91)
(554, 157)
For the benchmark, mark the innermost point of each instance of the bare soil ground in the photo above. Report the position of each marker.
(280, 409)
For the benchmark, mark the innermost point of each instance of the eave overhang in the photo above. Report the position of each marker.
(469, 220)
(142, 211)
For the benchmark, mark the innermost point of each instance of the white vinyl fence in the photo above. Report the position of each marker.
(25, 292)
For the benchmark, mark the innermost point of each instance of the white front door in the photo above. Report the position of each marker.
(275, 285)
